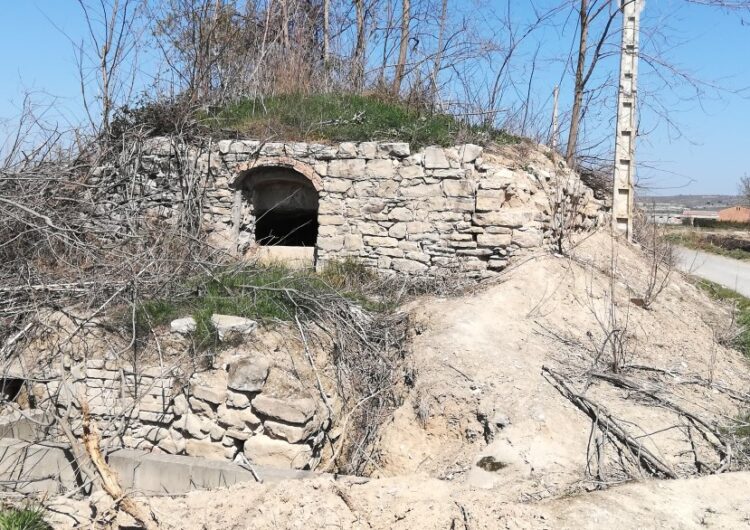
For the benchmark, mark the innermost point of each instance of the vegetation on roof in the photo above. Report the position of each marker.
(317, 117)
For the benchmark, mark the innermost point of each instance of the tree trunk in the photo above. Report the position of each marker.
(575, 114)
(403, 48)
(326, 35)
(358, 68)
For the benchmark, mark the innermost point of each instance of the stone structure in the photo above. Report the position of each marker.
(215, 414)
(436, 210)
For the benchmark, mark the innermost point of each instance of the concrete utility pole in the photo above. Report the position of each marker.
(623, 194)
(553, 134)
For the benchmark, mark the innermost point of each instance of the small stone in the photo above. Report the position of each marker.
(297, 411)
(237, 400)
(265, 451)
(180, 405)
(209, 394)
(290, 433)
(527, 238)
(200, 406)
(469, 152)
(172, 446)
(228, 324)
(248, 375)
(204, 449)
(194, 426)
(183, 326)
(237, 418)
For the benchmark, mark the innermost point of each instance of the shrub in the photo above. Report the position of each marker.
(28, 518)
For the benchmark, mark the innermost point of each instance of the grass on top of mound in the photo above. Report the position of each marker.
(345, 117)
(265, 293)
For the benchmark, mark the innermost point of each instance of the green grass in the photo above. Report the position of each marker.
(29, 518)
(742, 304)
(345, 117)
(699, 241)
(257, 292)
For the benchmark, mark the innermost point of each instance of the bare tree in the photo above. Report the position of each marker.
(112, 43)
(398, 76)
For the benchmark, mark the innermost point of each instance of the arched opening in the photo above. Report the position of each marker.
(284, 205)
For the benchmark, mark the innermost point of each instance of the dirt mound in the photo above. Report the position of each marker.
(486, 438)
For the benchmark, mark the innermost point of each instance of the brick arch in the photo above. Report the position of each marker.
(281, 161)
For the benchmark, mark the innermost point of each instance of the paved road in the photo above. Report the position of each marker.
(731, 273)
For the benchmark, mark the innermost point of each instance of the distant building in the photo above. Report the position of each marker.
(735, 214)
(688, 216)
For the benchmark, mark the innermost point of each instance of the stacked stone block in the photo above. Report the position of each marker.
(437, 210)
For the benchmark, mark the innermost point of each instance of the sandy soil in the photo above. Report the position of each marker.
(480, 397)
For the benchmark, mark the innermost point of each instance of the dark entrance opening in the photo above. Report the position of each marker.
(285, 205)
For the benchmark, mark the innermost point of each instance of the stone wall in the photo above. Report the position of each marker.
(216, 413)
(436, 210)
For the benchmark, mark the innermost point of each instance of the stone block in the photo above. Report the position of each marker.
(349, 169)
(347, 150)
(265, 451)
(401, 214)
(408, 266)
(296, 411)
(156, 417)
(380, 169)
(209, 394)
(368, 150)
(353, 242)
(337, 185)
(434, 158)
(458, 188)
(421, 191)
(297, 149)
(375, 241)
(398, 230)
(469, 153)
(411, 172)
(180, 406)
(238, 400)
(511, 218)
(290, 433)
(200, 407)
(331, 220)
(493, 240)
(396, 149)
(226, 325)
(183, 326)
(331, 243)
(272, 149)
(323, 152)
(237, 418)
(204, 449)
(527, 238)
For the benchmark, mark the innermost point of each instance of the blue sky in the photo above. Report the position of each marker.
(709, 157)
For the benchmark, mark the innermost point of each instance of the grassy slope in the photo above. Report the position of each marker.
(342, 117)
(698, 241)
(742, 304)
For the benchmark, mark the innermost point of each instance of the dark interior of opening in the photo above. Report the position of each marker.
(289, 229)
(10, 387)
(285, 204)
